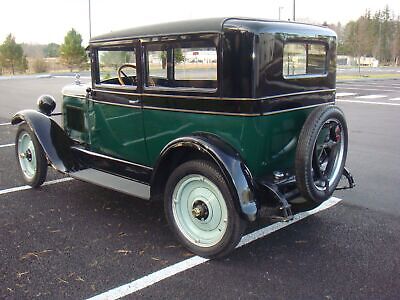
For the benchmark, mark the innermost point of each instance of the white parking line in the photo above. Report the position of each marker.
(369, 102)
(371, 97)
(5, 124)
(345, 94)
(27, 187)
(395, 99)
(187, 264)
(356, 88)
(362, 86)
(7, 145)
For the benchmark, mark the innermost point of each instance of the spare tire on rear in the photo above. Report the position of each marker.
(321, 154)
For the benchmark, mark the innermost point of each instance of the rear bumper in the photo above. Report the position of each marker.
(283, 194)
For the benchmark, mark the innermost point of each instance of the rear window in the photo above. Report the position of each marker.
(304, 59)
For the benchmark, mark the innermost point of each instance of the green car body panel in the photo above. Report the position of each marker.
(265, 143)
(74, 118)
(109, 129)
(117, 131)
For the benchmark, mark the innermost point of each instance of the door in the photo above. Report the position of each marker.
(115, 111)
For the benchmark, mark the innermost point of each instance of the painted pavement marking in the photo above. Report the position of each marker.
(372, 97)
(356, 88)
(7, 145)
(369, 102)
(345, 94)
(27, 187)
(192, 262)
(368, 86)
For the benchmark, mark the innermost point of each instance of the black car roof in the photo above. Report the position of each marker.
(210, 25)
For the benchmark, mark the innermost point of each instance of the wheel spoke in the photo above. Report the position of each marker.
(331, 161)
(316, 165)
(329, 144)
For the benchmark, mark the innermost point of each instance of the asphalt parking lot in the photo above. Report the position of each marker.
(73, 240)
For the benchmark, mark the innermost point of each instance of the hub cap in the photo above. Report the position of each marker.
(26, 155)
(199, 210)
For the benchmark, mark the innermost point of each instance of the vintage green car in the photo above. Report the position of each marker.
(215, 117)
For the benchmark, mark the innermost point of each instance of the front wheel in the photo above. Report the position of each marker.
(31, 157)
(200, 210)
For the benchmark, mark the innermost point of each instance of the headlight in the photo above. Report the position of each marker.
(46, 104)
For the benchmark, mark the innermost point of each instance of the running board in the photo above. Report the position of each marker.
(113, 182)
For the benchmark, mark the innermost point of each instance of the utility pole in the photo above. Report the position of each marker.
(280, 9)
(90, 21)
(294, 10)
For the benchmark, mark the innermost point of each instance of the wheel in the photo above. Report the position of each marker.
(31, 157)
(200, 210)
(321, 154)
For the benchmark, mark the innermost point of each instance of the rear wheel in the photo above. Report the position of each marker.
(31, 157)
(321, 154)
(200, 210)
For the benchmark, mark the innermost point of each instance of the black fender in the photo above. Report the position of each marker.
(53, 139)
(226, 158)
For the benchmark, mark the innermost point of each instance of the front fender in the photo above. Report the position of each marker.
(53, 139)
(229, 162)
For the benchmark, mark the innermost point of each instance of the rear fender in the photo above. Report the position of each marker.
(53, 139)
(226, 158)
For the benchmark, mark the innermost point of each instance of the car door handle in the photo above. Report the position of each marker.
(134, 101)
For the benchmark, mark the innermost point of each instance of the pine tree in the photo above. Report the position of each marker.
(71, 52)
(52, 50)
(12, 56)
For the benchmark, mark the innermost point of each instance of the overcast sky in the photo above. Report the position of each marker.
(45, 21)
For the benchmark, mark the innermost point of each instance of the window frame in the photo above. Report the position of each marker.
(185, 42)
(307, 43)
(129, 45)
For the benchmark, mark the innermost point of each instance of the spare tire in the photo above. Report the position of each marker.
(321, 154)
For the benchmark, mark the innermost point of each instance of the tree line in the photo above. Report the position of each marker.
(14, 60)
(372, 35)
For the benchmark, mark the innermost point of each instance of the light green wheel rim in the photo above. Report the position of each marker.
(26, 155)
(199, 210)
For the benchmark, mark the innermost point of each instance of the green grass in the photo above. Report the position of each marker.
(372, 76)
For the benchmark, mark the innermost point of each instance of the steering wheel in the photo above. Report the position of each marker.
(120, 73)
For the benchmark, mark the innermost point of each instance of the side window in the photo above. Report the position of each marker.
(157, 66)
(116, 66)
(195, 63)
(181, 65)
(304, 59)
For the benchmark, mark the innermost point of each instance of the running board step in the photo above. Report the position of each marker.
(113, 182)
